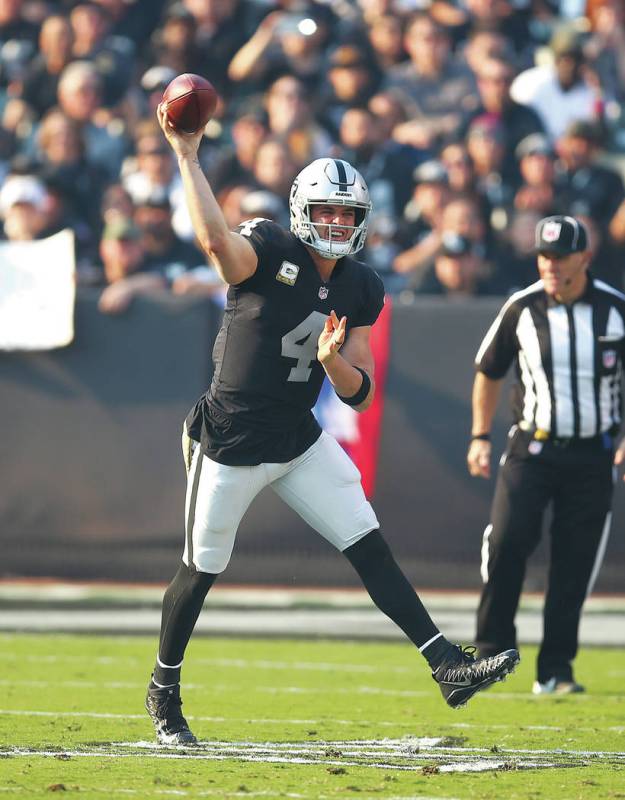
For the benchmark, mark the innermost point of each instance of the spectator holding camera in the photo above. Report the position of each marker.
(284, 43)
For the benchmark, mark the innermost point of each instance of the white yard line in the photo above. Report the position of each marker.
(113, 791)
(286, 721)
(390, 754)
(237, 663)
(216, 687)
(264, 720)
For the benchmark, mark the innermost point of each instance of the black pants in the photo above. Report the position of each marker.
(577, 478)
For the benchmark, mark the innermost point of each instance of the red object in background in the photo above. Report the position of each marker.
(359, 433)
(364, 450)
(191, 101)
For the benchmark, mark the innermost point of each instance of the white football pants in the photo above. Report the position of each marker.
(322, 486)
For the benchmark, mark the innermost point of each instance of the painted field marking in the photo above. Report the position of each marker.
(285, 721)
(268, 721)
(112, 792)
(239, 663)
(407, 754)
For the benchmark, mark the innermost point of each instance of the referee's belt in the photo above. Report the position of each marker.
(542, 435)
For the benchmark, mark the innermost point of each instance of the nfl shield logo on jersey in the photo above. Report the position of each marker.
(551, 231)
(287, 273)
(323, 292)
(609, 359)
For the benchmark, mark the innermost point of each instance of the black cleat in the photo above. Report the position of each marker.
(461, 675)
(164, 708)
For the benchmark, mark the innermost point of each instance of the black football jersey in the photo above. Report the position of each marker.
(266, 374)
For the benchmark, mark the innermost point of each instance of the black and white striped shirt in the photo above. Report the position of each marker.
(569, 359)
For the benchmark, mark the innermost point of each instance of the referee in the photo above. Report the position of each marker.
(566, 336)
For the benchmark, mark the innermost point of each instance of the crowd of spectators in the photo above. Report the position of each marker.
(469, 119)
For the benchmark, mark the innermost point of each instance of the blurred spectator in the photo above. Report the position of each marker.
(398, 160)
(463, 216)
(18, 41)
(385, 165)
(502, 16)
(605, 47)
(61, 151)
(221, 28)
(536, 159)
(607, 264)
(116, 204)
(230, 199)
(264, 204)
(274, 167)
(41, 77)
(79, 95)
(352, 81)
(386, 38)
(418, 234)
(285, 42)
(154, 81)
(458, 271)
(173, 44)
(484, 44)
(235, 164)
(583, 186)
(112, 56)
(559, 92)
(152, 172)
(494, 177)
(290, 117)
(164, 251)
(494, 78)
(124, 267)
(381, 249)
(24, 208)
(515, 255)
(436, 89)
(460, 172)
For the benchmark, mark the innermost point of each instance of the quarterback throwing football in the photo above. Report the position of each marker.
(299, 307)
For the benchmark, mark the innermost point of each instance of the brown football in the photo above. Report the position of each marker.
(190, 102)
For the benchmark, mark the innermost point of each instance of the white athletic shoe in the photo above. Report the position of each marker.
(555, 686)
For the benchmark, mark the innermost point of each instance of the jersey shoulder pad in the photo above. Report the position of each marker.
(265, 235)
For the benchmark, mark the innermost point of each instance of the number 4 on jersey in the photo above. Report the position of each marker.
(301, 344)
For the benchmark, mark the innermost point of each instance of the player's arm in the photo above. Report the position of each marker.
(484, 401)
(343, 368)
(232, 254)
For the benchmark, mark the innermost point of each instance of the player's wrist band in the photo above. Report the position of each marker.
(361, 394)
(482, 437)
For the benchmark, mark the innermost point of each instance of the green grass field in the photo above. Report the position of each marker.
(297, 719)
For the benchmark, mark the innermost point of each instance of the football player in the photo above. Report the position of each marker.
(299, 308)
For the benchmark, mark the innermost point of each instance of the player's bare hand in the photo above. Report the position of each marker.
(619, 455)
(183, 144)
(478, 458)
(331, 338)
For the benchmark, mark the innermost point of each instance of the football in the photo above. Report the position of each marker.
(190, 101)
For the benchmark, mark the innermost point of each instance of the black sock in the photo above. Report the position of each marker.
(392, 593)
(182, 604)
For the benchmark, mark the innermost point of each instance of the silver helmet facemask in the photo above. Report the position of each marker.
(329, 181)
